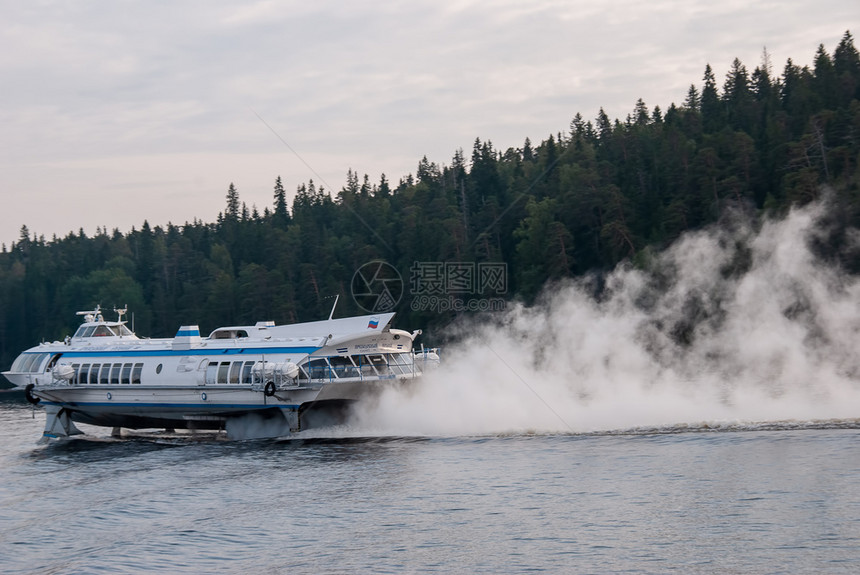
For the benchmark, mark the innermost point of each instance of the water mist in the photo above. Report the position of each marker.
(736, 324)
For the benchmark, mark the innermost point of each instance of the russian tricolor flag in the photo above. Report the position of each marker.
(373, 323)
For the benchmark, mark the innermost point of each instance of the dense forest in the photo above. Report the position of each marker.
(600, 192)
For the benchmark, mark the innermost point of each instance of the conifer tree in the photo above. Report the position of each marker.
(846, 61)
(233, 205)
(280, 215)
(711, 116)
(692, 102)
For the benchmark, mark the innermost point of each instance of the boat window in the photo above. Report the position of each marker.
(76, 367)
(318, 368)
(88, 331)
(94, 373)
(30, 362)
(364, 364)
(19, 361)
(38, 363)
(247, 372)
(343, 367)
(222, 371)
(123, 330)
(235, 370)
(102, 331)
(158, 368)
(114, 373)
(27, 361)
(379, 363)
(104, 375)
(126, 373)
(53, 361)
(228, 334)
(211, 370)
(80, 332)
(135, 374)
(394, 365)
(83, 376)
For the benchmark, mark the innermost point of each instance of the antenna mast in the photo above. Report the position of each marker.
(331, 315)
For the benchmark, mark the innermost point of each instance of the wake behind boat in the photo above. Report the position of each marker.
(254, 380)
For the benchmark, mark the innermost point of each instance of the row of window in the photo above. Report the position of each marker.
(107, 373)
(102, 331)
(336, 367)
(231, 372)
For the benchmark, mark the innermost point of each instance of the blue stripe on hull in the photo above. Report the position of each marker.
(81, 405)
(210, 352)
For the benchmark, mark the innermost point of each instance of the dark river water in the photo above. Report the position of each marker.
(769, 498)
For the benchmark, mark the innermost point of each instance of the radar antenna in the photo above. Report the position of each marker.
(91, 315)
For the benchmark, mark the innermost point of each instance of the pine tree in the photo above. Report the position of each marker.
(825, 83)
(280, 215)
(738, 97)
(640, 113)
(233, 205)
(711, 111)
(604, 127)
(383, 189)
(528, 151)
(692, 102)
(846, 61)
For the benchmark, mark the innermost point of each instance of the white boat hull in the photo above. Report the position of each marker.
(198, 408)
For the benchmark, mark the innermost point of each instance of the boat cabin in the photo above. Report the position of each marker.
(95, 326)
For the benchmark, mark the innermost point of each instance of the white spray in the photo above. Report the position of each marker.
(733, 325)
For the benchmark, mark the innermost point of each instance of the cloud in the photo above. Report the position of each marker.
(379, 85)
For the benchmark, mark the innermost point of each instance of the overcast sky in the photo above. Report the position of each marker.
(116, 112)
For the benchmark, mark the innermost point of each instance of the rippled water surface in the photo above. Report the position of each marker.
(778, 498)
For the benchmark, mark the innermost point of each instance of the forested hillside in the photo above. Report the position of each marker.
(598, 192)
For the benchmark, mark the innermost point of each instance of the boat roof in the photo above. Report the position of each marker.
(96, 330)
(333, 328)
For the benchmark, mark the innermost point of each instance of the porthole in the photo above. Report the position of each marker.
(203, 396)
(158, 368)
